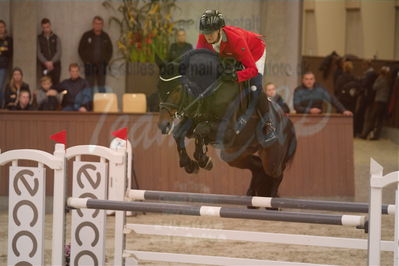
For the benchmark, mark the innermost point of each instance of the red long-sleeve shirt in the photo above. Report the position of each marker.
(243, 45)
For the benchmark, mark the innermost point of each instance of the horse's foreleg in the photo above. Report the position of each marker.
(204, 161)
(179, 134)
(189, 165)
(203, 130)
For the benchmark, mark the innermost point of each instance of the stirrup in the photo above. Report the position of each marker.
(271, 135)
(269, 125)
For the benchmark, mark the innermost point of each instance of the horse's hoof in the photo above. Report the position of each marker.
(209, 165)
(205, 162)
(251, 193)
(192, 168)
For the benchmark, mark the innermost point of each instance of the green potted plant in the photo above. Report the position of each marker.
(146, 29)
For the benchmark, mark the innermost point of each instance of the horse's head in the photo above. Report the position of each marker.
(171, 95)
(185, 82)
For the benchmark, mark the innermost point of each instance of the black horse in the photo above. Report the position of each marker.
(194, 91)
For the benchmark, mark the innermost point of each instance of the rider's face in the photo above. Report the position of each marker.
(212, 37)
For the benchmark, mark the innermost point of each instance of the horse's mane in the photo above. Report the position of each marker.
(200, 68)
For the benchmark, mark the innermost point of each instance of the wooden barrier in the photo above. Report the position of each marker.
(323, 164)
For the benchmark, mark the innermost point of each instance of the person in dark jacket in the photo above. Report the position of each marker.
(270, 90)
(179, 47)
(14, 88)
(310, 96)
(49, 52)
(327, 63)
(23, 103)
(339, 63)
(347, 87)
(77, 92)
(95, 50)
(6, 51)
(393, 99)
(46, 97)
(366, 96)
(375, 115)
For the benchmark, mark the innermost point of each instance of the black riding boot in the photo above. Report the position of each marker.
(269, 131)
(259, 102)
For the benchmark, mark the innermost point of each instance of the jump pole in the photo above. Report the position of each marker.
(266, 202)
(314, 218)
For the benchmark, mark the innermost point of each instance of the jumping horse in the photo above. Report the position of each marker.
(194, 92)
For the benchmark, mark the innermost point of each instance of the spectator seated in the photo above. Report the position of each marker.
(310, 96)
(77, 94)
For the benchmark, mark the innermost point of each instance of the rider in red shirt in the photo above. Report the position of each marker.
(247, 48)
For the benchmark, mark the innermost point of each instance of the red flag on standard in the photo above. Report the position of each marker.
(120, 133)
(59, 137)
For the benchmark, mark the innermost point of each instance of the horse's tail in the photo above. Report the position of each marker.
(292, 146)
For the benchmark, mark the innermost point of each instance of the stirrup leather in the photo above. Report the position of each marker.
(240, 124)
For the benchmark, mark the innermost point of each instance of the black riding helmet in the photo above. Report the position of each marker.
(211, 21)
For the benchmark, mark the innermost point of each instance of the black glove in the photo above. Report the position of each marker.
(229, 75)
(229, 69)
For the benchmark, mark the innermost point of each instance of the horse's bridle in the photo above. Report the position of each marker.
(170, 106)
(180, 111)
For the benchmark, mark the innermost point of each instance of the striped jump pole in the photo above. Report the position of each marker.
(266, 202)
(345, 220)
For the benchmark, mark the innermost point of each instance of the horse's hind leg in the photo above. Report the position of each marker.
(270, 185)
(254, 164)
(273, 165)
(275, 185)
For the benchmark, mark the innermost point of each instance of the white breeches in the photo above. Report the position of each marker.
(260, 64)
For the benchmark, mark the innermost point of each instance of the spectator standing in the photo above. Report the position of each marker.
(179, 47)
(49, 52)
(366, 95)
(14, 88)
(6, 51)
(271, 92)
(393, 101)
(95, 50)
(339, 63)
(375, 115)
(45, 98)
(347, 87)
(77, 94)
(310, 96)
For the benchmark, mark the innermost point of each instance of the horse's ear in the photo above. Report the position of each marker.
(160, 63)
